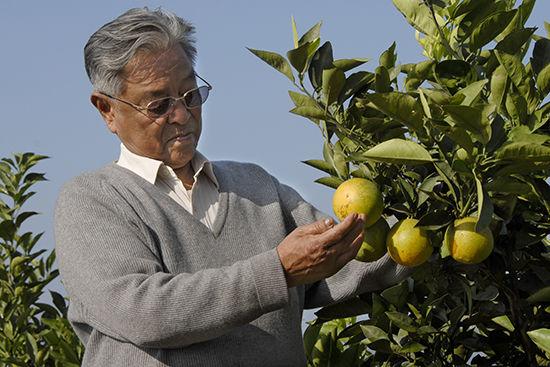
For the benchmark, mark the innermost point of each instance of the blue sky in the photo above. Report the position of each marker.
(45, 92)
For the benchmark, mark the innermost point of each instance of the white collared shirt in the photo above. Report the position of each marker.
(201, 200)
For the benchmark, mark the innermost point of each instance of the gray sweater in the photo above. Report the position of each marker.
(150, 285)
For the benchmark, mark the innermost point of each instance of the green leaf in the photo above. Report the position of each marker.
(322, 59)
(321, 165)
(425, 187)
(301, 100)
(311, 335)
(462, 138)
(333, 82)
(418, 15)
(519, 77)
(401, 320)
(330, 181)
(396, 295)
(513, 42)
(299, 57)
(508, 185)
(498, 86)
(348, 64)
(276, 61)
(23, 216)
(356, 82)
(388, 57)
(484, 207)
(523, 151)
(31, 345)
(19, 260)
(540, 296)
(437, 96)
(504, 321)
(543, 81)
(294, 32)
(373, 333)
(468, 6)
(490, 28)
(312, 34)
(310, 112)
(541, 55)
(401, 107)
(434, 220)
(472, 91)
(473, 119)
(518, 22)
(445, 249)
(382, 80)
(398, 151)
(340, 163)
(59, 302)
(454, 74)
(412, 347)
(516, 106)
(541, 337)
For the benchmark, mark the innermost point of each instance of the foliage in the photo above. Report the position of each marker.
(33, 333)
(463, 133)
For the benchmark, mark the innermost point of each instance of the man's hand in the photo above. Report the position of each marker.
(318, 250)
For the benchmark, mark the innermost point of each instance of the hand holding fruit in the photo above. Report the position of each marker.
(318, 250)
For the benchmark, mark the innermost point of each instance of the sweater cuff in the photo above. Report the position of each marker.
(270, 281)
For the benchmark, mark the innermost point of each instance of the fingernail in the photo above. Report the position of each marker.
(328, 222)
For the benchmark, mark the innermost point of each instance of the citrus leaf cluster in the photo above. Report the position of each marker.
(32, 333)
(463, 136)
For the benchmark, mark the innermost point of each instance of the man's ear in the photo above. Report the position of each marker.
(105, 108)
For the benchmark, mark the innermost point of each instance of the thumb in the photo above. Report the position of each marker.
(318, 227)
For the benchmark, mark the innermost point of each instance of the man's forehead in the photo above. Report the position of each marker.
(149, 66)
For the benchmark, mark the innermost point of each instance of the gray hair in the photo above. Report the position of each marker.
(112, 46)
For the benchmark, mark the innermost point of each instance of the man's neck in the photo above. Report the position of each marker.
(185, 174)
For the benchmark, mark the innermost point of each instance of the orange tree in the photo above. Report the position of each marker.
(464, 133)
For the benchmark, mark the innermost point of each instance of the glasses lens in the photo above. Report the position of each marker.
(160, 106)
(196, 97)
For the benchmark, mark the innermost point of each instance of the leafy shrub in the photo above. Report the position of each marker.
(464, 133)
(33, 333)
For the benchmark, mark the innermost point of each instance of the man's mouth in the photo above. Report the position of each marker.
(182, 136)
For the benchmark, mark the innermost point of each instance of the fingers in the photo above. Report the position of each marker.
(321, 226)
(352, 223)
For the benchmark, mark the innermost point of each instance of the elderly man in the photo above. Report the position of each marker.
(172, 260)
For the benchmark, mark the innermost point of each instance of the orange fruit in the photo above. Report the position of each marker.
(408, 245)
(358, 195)
(469, 246)
(374, 241)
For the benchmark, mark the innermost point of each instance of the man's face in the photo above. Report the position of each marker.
(150, 76)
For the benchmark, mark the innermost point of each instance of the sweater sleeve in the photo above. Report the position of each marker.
(118, 283)
(355, 277)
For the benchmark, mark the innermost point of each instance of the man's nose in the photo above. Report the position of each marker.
(180, 113)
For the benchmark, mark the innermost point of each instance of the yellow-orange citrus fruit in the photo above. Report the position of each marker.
(358, 195)
(469, 246)
(408, 245)
(374, 241)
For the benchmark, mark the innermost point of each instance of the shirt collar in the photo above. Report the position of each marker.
(149, 168)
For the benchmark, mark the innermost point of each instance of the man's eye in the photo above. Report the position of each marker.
(193, 98)
(159, 106)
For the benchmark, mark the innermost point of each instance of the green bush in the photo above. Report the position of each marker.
(464, 133)
(32, 333)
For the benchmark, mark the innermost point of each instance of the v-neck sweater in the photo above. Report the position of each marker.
(150, 285)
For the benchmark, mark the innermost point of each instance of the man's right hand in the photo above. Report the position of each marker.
(318, 250)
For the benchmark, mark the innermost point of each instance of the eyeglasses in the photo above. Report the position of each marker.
(164, 106)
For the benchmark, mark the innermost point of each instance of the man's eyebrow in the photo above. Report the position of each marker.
(155, 94)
